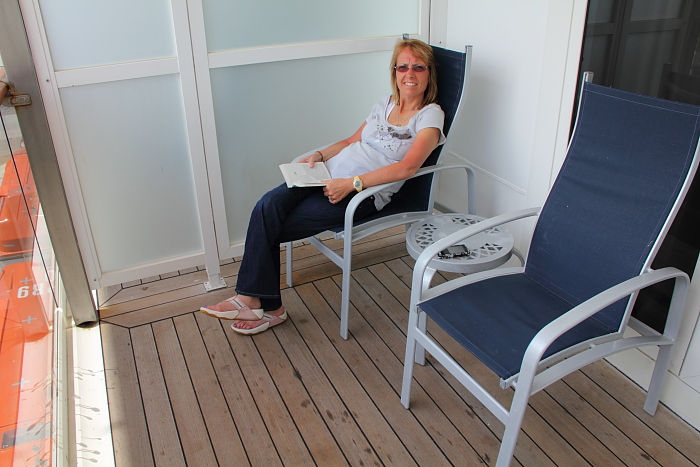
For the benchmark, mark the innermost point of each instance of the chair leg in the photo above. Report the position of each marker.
(288, 250)
(345, 306)
(422, 319)
(515, 422)
(663, 360)
(345, 292)
(427, 278)
(420, 350)
(409, 359)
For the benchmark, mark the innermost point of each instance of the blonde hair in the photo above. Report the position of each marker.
(424, 52)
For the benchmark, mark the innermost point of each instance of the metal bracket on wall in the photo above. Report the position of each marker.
(14, 99)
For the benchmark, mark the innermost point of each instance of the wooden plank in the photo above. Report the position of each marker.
(188, 416)
(665, 423)
(148, 294)
(138, 304)
(306, 250)
(288, 442)
(457, 411)
(346, 406)
(359, 260)
(169, 275)
(572, 432)
(166, 285)
(131, 283)
(362, 386)
(376, 304)
(251, 427)
(648, 440)
(127, 417)
(350, 388)
(224, 437)
(362, 251)
(162, 431)
(106, 293)
(170, 309)
(302, 387)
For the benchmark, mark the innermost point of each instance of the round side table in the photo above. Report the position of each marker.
(487, 250)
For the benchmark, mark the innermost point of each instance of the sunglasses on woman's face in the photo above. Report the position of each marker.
(416, 68)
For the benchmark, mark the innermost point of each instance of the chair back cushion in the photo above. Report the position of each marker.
(627, 161)
(451, 68)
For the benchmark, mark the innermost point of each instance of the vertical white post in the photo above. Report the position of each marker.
(196, 141)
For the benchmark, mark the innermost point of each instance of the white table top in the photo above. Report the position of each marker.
(487, 250)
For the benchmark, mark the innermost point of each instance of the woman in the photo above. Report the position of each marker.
(391, 145)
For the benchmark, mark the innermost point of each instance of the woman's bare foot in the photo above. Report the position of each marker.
(269, 319)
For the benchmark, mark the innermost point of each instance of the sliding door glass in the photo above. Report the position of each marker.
(652, 47)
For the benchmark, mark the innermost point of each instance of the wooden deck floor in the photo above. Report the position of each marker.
(185, 390)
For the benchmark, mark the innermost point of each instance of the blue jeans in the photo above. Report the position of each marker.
(283, 215)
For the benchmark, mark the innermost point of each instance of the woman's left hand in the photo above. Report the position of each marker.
(337, 189)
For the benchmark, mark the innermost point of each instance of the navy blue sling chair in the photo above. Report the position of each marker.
(630, 162)
(415, 199)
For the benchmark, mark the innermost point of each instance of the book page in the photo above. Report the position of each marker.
(300, 174)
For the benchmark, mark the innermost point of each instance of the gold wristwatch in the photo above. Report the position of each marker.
(357, 183)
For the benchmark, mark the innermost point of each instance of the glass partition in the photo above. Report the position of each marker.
(27, 306)
(119, 32)
(252, 23)
(135, 171)
(287, 109)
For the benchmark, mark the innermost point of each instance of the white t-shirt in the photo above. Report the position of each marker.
(383, 144)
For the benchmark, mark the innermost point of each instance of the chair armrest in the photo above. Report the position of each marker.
(547, 335)
(471, 197)
(431, 251)
(367, 192)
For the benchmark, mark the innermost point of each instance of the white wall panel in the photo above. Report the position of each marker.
(497, 129)
(259, 23)
(90, 33)
(143, 95)
(287, 109)
(130, 148)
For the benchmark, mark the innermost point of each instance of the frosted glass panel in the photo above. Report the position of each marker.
(131, 152)
(88, 33)
(254, 23)
(269, 114)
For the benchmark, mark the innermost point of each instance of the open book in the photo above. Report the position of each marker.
(299, 174)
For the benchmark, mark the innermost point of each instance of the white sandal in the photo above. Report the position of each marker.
(232, 308)
(270, 321)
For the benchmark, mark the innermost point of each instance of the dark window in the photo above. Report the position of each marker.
(652, 47)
